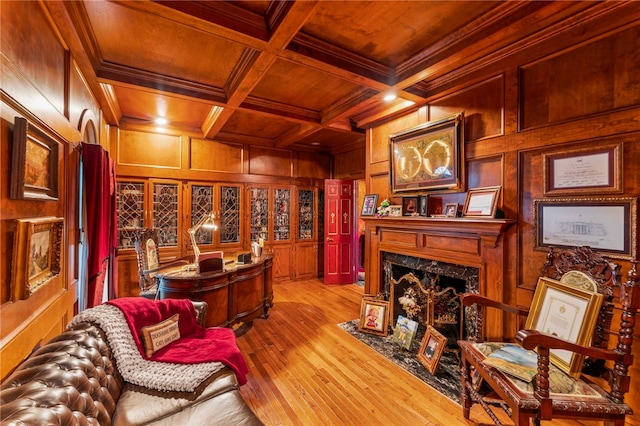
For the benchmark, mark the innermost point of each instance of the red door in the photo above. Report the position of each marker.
(339, 226)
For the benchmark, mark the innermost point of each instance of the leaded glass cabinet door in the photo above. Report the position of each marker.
(165, 203)
(305, 214)
(281, 214)
(130, 203)
(202, 203)
(259, 215)
(230, 214)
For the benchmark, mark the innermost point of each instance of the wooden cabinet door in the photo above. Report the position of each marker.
(305, 260)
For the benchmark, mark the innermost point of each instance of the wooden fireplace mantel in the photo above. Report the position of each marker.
(476, 243)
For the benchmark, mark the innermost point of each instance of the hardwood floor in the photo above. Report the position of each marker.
(305, 370)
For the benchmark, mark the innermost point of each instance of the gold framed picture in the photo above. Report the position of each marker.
(431, 349)
(374, 316)
(567, 312)
(36, 254)
(428, 156)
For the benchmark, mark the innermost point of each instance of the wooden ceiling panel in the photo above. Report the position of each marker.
(262, 126)
(144, 41)
(293, 84)
(145, 105)
(387, 32)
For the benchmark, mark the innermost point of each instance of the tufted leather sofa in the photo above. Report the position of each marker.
(74, 380)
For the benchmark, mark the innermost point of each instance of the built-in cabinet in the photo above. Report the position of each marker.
(225, 200)
(270, 222)
(306, 246)
(284, 217)
(149, 203)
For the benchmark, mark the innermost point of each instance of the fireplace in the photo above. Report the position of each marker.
(466, 254)
(427, 291)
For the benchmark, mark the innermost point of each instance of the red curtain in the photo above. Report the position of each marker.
(100, 195)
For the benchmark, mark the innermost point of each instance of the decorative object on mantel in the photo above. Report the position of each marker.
(451, 210)
(410, 206)
(482, 202)
(428, 156)
(424, 205)
(383, 208)
(369, 205)
(395, 210)
(36, 254)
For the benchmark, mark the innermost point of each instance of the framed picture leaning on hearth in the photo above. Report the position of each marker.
(431, 349)
(428, 156)
(374, 315)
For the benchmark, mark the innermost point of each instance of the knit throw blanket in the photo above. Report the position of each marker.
(134, 368)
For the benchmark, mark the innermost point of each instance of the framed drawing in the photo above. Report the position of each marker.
(433, 344)
(607, 225)
(428, 156)
(395, 210)
(36, 254)
(567, 312)
(410, 206)
(587, 171)
(34, 164)
(369, 205)
(374, 316)
(451, 210)
(481, 202)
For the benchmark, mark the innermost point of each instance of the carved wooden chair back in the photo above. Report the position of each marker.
(580, 267)
(148, 260)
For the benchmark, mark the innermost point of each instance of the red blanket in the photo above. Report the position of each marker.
(197, 344)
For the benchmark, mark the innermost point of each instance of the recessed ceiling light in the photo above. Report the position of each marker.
(161, 121)
(389, 97)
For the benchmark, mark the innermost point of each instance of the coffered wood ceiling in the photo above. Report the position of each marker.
(308, 75)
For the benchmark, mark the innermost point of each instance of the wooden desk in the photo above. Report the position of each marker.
(239, 293)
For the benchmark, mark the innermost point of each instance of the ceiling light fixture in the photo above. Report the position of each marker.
(389, 97)
(161, 121)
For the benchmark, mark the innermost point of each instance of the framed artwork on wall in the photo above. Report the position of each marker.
(587, 171)
(607, 225)
(428, 156)
(36, 254)
(34, 164)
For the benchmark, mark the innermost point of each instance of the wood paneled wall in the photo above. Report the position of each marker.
(43, 85)
(577, 89)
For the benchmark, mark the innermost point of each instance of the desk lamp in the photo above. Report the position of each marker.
(207, 221)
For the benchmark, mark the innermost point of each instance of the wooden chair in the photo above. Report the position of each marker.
(148, 258)
(595, 393)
